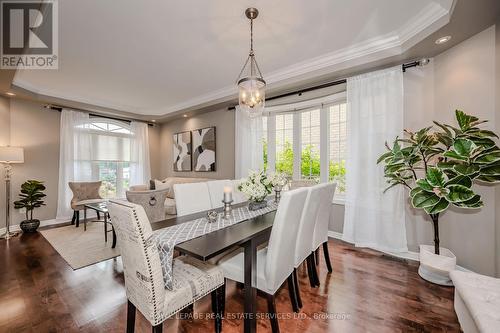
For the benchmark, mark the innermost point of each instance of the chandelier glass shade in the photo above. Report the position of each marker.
(251, 84)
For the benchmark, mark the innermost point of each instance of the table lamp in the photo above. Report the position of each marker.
(8, 156)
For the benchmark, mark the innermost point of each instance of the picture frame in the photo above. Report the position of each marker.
(182, 151)
(204, 149)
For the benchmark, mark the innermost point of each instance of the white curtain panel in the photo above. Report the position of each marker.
(140, 168)
(248, 146)
(375, 115)
(75, 153)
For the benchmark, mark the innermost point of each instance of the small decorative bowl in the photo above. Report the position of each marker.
(212, 216)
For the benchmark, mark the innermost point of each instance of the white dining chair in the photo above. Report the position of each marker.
(144, 285)
(192, 198)
(322, 220)
(305, 235)
(275, 263)
(216, 191)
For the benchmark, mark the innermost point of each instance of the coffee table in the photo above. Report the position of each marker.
(100, 207)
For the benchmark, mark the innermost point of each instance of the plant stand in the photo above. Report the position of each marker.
(436, 268)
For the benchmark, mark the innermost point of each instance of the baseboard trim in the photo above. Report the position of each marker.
(46, 223)
(410, 255)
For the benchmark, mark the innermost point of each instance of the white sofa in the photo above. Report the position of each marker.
(477, 302)
(169, 182)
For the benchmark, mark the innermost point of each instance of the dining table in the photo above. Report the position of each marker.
(248, 234)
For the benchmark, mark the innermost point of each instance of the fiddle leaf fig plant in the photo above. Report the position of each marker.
(31, 197)
(440, 165)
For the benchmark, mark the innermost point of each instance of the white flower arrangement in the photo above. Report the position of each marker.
(278, 179)
(256, 187)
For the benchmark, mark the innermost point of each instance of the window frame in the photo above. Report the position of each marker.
(297, 109)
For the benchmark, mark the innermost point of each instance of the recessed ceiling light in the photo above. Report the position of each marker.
(185, 115)
(153, 120)
(10, 93)
(443, 40)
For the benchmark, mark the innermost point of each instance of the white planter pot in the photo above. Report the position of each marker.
(436, 268)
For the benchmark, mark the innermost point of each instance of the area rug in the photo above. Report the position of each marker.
(81, 248)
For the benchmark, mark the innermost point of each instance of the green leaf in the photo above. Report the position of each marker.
(446, 165)
(465, 169)
(460, 180)
(464, 120)
(483, 142)
(488, 157)
(489, 179)
(439, 207)
(435, 177)
(459, 193)
(463, 147)
(384, 156)
(491, 170)
(473, 203)
(415, 191)
(424, 199)
(424, 185)
(444, 128)
(454, 155)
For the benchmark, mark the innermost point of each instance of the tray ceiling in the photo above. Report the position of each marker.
(156, 57)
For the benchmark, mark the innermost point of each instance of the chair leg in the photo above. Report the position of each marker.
(223, 298)
(73, 218)
(77, 218)
(158, 328)
(327, 257)
(310, 273)
(273, 317)
(98, 215)
(297, 288)
(314, 270)
(292, 292)
(316, 254)
(217, 306)
(130, 317)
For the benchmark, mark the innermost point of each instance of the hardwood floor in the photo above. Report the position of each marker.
(367, 291)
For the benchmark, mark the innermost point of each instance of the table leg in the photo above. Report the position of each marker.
(114, 237)
(105, 227)
(84, 218)
(250, 283)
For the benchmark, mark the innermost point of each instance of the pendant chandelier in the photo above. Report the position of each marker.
(251, 84)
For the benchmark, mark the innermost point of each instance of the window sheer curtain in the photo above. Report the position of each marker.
(75, 154)
(375, 115)
(248, 144)
(140, 168)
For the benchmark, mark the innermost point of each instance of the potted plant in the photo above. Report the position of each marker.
(440, 167)
(256, 187)
(30, 198)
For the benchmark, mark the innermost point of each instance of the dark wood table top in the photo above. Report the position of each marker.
(212, 244)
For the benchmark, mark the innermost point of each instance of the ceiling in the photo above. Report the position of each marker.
(157, 57)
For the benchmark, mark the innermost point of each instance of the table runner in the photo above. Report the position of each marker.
(166, 239)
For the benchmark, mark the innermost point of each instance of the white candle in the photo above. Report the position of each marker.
(228, 194)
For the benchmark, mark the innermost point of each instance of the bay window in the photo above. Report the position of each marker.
(308, 140)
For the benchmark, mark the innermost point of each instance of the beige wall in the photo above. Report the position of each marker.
(37, 130)
(223, 120)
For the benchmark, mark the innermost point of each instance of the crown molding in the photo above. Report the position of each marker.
(428, 20)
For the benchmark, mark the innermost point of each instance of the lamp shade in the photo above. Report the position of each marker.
(11, 155)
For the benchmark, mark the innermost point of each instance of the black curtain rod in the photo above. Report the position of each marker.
(59, 108)
(337, 82)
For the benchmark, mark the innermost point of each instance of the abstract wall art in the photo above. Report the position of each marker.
(204, 149)
(182, 151)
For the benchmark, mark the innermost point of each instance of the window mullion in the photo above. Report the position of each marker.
(297, 145)
(271, 144)
(324, 144)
